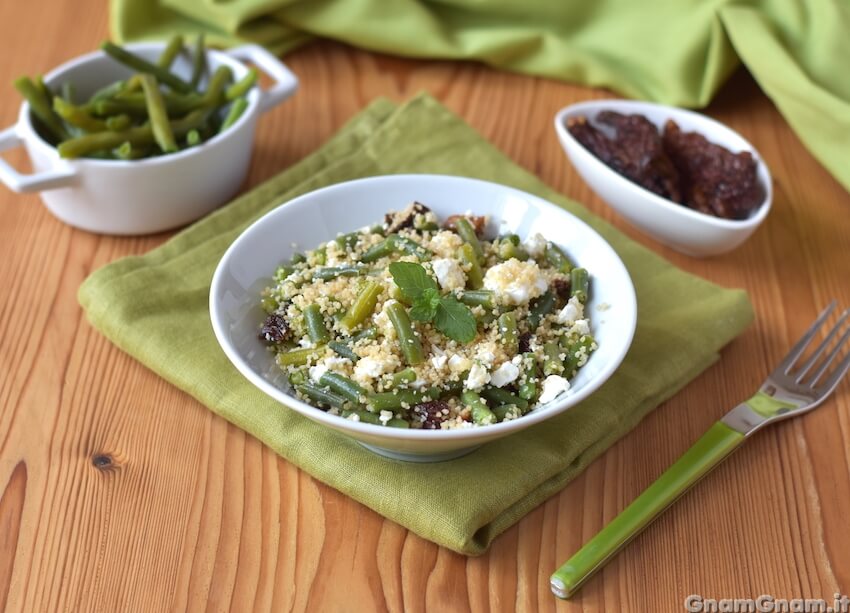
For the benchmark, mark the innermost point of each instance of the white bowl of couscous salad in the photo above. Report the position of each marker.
(423, 315)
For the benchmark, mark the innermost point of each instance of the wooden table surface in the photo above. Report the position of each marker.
(120, 493)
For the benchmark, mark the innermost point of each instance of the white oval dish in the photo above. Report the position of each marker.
(678, 226)
(153, 194)
(321, 215)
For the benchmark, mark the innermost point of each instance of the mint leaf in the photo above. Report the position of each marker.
(425, 307)
(411, 279)
(455, 320)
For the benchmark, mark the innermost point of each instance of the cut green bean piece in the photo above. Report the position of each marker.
(315, 324)
(507, 250)
(552, 364)
(172, 50)
(126, 151)
(242, 86)
(349, 240)
(269, 304)
(343, 386)
(298, 258)
(107, 91)
(367, 333)
(298, 357)
(118, 123)
(41, 107)
(410, 246)
(364, 416)
(363, 305)
(528, 389)
(411, 347)
(558, 259)
(497, 395)
(76, 116)
(481, 414)
(214, 96)
(399, 399)
(236, 109)
(403, 377)
(298, 377)
(193, 138)
(467, 233)
(579, 284)
(576, 353)
(398, 423)
(343, 350)
(507, 412)
(199, 61)
(141, 65)
(478, 297)
(378, 251)
(540, 309)
(162, 132)
(332, 272)
(474, 274)
(508, 332)
(321, 396)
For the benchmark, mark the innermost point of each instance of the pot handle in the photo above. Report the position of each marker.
(35, 182)
(286, 83)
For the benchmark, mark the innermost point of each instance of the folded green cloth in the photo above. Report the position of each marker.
(672, 52)
(155, 308)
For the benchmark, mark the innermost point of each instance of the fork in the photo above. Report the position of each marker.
(790, 390)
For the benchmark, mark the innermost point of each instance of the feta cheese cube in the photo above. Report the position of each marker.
(515, 282)
(439, 362)
(449, 274)
(506, 373)
(385, 416)
(478, 377)
(535, 245)
(553, 386)
(458, 363)
(317, 371)
(368, 369)
(572, 311)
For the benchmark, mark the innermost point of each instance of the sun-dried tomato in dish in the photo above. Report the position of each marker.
(683, 167)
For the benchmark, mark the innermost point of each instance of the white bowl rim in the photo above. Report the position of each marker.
(668, 205)
(551, 410)
(25, 122)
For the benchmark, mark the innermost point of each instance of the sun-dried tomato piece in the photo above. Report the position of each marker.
(633, 149)
(524, 342)
(561, 287)
(430, 413)
(404, 219)
(716, 181)
(275, 329)
(479, 224)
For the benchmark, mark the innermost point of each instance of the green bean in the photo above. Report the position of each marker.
(506, 412)
(411, 347)
(40, 107)
(298, 258)
(193, 138)
(557, 258)
(242, 86)
(107, 91)
(367, 333)
(199, 61)
(508, 332)
(214, 96)
(552, 364)
(141, 135)
(540, 309)
(474, 276)
(68, 92)
(402, 377)
(126, 151)
(480, 413)
(268, 303)
(141, 65)
(158, 115)
(343, 386)
(76, 116)
(398, 399)
(486, 318)
(282, 272)
(512, 238)
(172, 50)
(579, 284)
(378, 251)
(347, 240)
(497, 395)
(451, 388)
(410, 246)
(135, 104)
(326, 274)
(467, 233)
(321, 396)
(236, 109)
(478, 297)
(117, 123)
(398, 423)
(321, 256)
(343, 350)
(315, 324)
(297, 377)
(575, 351)
(508, 250)
(298, 357)
(528, 388)
(363, 305)
(364, 416)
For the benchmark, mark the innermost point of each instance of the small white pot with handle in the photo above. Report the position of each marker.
(153, 194)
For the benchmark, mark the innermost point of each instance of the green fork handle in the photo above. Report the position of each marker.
(705, 454)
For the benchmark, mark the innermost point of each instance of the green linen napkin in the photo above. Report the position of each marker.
(155, 308)
(676, 52)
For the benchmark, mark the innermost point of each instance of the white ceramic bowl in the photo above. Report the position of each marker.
(680, 227)
(148, 195)
(316, 217)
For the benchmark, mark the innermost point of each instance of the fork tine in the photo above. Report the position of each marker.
(821, 348)
(836, 376)
(832, 354)
(788, 361)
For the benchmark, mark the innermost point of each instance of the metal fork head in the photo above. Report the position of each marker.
(804, 384)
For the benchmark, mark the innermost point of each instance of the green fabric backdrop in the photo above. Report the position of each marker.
(672, 51)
